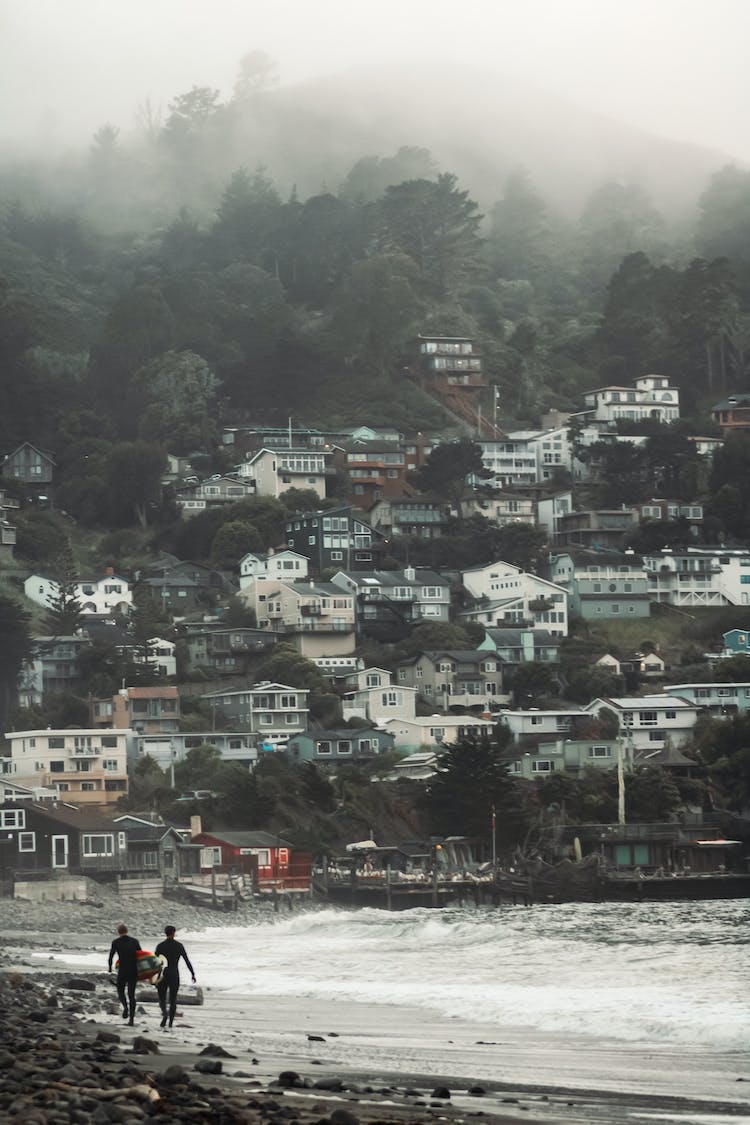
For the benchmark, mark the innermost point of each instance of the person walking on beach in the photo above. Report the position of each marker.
(169, 982)
(124, 948)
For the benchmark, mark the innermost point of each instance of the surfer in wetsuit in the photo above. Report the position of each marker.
(169, 981)
(124, 948)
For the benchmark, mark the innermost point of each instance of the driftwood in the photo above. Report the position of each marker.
(141, 1093)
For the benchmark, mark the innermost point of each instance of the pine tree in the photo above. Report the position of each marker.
(65, 613)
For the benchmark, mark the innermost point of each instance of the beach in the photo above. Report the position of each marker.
(379, 1062)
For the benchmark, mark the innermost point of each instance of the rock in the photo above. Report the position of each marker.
(316, 1039)
(107, 1036)
(476, 1091)
(209, 1066)
(343, 1117)
(217, 1051)
(80, 984)
(143, 1046)
(289, 1079)
(441, 1092)
(175, 1076)
(328, 1084)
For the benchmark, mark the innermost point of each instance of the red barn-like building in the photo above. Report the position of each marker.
(273, 864)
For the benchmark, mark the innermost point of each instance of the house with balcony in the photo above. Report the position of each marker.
(699, 576)
(239, 746)
(652, 397)
(316, 617)
(736, 642)
(649, 723)
(389, 603)
(514, 647)
(104, 595)
(150, 710)
(602, 584)
(602, 528)
(43, 840)
(329, 747)
(423, 517)
(86, 766)
(450, 369)
(214, 492)
(274, 564)
(336, 537)
(225, 650)
(453, 679)
(435, 731)
(500, 507)
(533, 725)
(272, 472)
(33, 467)
(502, 595)
(376, 469)
(732, 413)
(718, 699)
(378, 702)
(657, 509)
(565, 755)
(271, 711)
(269, 861)
(52, 668)
(511, 459)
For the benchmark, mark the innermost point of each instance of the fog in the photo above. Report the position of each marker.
(675, 68)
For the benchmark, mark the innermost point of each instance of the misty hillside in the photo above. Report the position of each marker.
(481, 126)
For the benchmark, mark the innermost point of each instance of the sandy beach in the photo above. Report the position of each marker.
(365, 1048)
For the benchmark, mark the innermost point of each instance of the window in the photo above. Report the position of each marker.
(100, 844)
(542, 765)
(323, 747)
(27, 841)
(12, 818)
(88, 787)
(600, 752)
(648, 718)
(656, 736)
(57, 767)
(430, 591)
(392, 698)
(56, 743)
(288, 701)
(337, 556)
(344, 746)
(110, 764)
(83, 767)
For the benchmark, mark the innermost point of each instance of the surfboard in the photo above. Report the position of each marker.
(150, 965)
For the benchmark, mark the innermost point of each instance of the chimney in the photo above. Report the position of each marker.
(195, 827)
(109, 570)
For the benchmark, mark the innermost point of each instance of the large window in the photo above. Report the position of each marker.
(98, 844)
(27, 841)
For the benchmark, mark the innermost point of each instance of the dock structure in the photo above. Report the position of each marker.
(395, 890)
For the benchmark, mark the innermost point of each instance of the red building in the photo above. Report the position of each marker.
(273, 864)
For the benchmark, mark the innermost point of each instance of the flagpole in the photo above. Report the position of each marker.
(494, 842)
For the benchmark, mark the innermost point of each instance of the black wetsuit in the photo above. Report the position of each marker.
(125, 948)
(169, 982)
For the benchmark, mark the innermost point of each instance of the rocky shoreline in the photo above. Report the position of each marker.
(59, 1066)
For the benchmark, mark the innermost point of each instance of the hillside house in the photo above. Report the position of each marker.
(32, 466)
(718, 699)
(224, 650)
(424, 517)
(336, 537)
(274, 712)
(503, 595)
(434, 731)
(275, 564)
(316, 617)
(150, 710)
(327, 747)
(86, 766)
(650, 722)
(602, 584)
(514, 647)
(699, 576)
(450, 679)
(390, 602)
(272, 472)
(52, 668)
(732, 413)
(650, 397)
(271, 863)
(105, 595)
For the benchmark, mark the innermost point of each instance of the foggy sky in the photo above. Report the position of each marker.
(677, 68)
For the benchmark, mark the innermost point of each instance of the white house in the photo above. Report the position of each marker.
(86, 766)
(380, 702)
(527, 456)
(721, 699)
(271, 472)
(647, 722)
(104, 594)
(534, 723)
(651, 397)
(276, 564)
(435, 730)
(699, 576)
(505, 594)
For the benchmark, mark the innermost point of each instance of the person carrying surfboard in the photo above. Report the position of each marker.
(169, 981)
(124, 948)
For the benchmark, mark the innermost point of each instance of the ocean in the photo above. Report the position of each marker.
(674, 974)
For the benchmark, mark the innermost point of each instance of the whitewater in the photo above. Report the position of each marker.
(668, 973)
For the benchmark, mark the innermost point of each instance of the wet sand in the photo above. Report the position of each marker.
(547, 1078)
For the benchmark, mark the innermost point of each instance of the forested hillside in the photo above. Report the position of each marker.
(172, 278)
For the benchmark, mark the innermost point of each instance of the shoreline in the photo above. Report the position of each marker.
(404, 1053)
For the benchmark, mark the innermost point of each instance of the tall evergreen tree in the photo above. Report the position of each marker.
(65, 612)
(15, 647)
